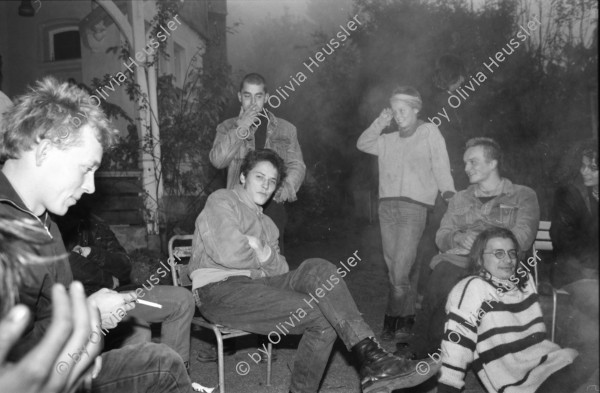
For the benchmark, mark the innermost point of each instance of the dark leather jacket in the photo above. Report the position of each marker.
(36, 291)
(574, 234)
(107, 258)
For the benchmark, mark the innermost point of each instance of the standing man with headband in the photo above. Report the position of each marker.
(257, 128)
(413, 168)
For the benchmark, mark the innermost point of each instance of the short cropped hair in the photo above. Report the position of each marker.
(416, 102)
(491, 149)
(54, 111)
(253, 79)
(255, 156)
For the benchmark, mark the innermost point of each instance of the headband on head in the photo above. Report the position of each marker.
(412, 101)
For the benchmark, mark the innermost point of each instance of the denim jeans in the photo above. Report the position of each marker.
(148, 368)
(402, 224)
(175, 318)
(428, 330)
(311, 300)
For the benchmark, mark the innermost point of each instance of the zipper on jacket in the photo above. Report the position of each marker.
(31, 214)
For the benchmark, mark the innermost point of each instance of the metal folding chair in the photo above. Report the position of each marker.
(180, 278)
(543, 243)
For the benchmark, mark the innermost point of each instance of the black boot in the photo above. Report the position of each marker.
(403, 351)
(390, 324)
(382, 372)
(404, 327)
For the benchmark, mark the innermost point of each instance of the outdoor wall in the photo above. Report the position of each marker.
(22, 42)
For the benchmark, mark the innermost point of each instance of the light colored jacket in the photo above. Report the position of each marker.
(516, 209)
(220, 247)
(229, 150)
(416, 167)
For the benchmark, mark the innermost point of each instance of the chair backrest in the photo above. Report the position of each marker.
(542, 238)
(542, 243)
(180, 248)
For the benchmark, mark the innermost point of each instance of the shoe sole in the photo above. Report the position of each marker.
(402, 336)
(387, 385)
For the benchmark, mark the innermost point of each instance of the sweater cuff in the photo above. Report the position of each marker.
(266, 255)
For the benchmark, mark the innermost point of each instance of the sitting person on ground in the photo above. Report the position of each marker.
(47, 367)
(240, 280)
(99, 261)
(495, 327)
(490, 201)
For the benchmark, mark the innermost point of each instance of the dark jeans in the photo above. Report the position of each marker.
(148, 367)
(429, 324)
(276, 212)
(427, 248)
(175, 318)
(311, 300)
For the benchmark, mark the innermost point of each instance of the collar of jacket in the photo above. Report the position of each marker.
(9, 195)
(583, 191)
(245, 198)
(271, 120)
(508, 188)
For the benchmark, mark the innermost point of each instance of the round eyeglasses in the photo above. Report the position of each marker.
(500, 254)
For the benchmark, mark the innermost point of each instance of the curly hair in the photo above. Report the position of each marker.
(255, 156)
(568, 168)
(54, 111)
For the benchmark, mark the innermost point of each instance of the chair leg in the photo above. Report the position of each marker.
(220, 359)
(554, 301)
(269, 358)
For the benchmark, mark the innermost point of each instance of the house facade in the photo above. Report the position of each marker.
(80, 40)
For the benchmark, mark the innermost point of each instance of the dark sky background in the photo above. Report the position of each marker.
(252, 13)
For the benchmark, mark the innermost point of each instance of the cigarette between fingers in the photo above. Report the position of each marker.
(147, 303)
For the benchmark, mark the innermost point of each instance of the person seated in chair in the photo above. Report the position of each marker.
(240, 280)
(574, 235)
(49, 163)
(99, 261)
(490, 201)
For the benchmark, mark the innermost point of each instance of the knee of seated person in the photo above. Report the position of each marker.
(159, 356)
(318, 266)
(186, 297)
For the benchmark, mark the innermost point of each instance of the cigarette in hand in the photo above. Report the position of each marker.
(147, 303)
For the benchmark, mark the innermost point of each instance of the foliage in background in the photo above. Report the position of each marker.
(188, 116)
(539, 101)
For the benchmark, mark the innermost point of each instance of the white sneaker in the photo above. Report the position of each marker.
(202, 389)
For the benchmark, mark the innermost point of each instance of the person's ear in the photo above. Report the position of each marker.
(267, 97)
(42, 149)
(240, 97)
(242, 179)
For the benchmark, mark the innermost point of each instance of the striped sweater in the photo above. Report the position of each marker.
(500, 333)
